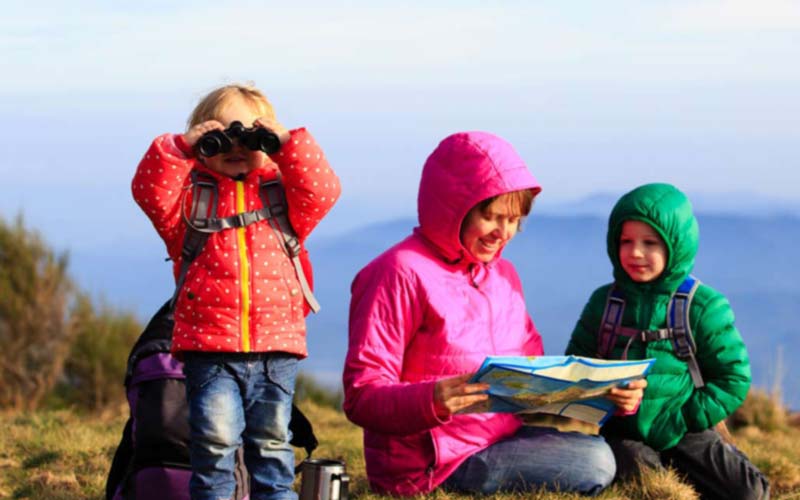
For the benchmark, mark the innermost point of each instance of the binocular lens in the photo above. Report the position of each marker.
(255, 139)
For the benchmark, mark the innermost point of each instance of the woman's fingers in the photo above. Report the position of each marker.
(454, 394)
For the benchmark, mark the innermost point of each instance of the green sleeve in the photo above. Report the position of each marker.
(583, 341)
(723, 360)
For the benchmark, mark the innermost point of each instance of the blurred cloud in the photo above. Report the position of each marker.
(735, 16)
(597, 96)
(88, 45)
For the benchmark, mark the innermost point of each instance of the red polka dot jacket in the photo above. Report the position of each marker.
(241, 294)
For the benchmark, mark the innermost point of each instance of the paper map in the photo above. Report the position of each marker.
(569, 386)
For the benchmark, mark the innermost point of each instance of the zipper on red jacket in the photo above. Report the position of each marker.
(244, 272)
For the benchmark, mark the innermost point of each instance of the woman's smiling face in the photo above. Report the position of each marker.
(485, 231)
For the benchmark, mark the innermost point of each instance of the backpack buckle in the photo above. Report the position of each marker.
(293, 246)
(240, 220)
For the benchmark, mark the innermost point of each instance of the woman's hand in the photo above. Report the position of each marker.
(454, 395)
(628, 399)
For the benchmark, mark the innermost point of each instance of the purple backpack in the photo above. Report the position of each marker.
(152, 459)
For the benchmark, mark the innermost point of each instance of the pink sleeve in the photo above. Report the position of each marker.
(157, 187)
(533, 346)
(312, 186)
(384, 314)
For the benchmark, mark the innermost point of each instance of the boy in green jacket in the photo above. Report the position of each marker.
(652, 242)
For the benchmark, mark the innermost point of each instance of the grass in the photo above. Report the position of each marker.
(62, 455)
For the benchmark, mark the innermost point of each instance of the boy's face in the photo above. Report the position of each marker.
(485, 232)
(642, 252)
(240, 159)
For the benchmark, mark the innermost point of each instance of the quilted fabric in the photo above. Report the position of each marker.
(424, 310)
(241, 294)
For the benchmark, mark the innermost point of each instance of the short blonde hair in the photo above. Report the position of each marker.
(210, 107)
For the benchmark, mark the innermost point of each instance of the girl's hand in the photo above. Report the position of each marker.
(195, 133)
(454, 395)
(273, 125)
(628, 399)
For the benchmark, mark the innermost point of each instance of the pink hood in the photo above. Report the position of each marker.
(419, 313)
(465, 168)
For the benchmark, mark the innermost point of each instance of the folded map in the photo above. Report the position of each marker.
(569, 386)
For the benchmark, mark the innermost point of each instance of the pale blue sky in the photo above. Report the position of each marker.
(596, 96)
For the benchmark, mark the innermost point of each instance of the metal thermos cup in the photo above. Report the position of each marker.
(323, 479)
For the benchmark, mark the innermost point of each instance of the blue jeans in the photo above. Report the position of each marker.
(537, 457)
(234, 399)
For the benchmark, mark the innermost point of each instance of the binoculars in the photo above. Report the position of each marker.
(253, 138)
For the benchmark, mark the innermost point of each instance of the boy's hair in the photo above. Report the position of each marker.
(210, 107)
(520, 201)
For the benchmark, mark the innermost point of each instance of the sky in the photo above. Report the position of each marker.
(596, 96)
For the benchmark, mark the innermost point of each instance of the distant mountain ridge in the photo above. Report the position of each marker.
(561, 260)
(733, 203)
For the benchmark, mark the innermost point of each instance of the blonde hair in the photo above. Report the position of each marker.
(211, 106)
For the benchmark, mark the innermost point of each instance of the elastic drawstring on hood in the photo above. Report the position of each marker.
(465, 169)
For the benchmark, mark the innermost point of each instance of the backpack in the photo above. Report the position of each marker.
(203, 221)
(678, 327)
(152, 459)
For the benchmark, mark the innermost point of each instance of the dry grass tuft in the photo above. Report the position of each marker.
(664, 484)
(50, 480)
(65, 456)
(762, 410)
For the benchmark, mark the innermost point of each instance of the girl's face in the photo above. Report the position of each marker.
(240, 160)
(642, 252)
(485, 232)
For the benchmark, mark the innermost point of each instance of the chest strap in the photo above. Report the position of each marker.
(678, 328)
(202, 221)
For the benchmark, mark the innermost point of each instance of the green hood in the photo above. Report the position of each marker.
(669, 212)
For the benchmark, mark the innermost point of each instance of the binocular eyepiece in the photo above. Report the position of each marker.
(253, 138)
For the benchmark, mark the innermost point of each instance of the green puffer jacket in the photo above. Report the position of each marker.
(671, 406)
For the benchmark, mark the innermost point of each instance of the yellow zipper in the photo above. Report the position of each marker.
(244, 266)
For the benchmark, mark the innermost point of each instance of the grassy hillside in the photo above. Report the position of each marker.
(65, 456)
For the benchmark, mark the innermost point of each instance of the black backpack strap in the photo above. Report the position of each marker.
(678, 323)
(202, 221)
(612, 318)
(273, 196)
(204, 208)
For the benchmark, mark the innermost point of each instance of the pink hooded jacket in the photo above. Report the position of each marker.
(426, 309)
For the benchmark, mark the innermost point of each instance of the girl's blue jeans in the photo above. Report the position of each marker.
(235, 399)
(534, 458)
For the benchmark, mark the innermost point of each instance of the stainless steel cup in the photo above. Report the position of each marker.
(323, 479)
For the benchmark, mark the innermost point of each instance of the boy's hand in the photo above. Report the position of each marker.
(273, 125)
(627, 399)
(195, 133)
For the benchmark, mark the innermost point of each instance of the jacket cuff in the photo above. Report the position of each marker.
(186, 149)
(626, 413)
(432, 417)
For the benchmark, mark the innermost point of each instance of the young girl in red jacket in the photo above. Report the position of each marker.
(239, 311)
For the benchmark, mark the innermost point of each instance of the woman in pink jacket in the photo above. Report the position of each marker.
(425, 314)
